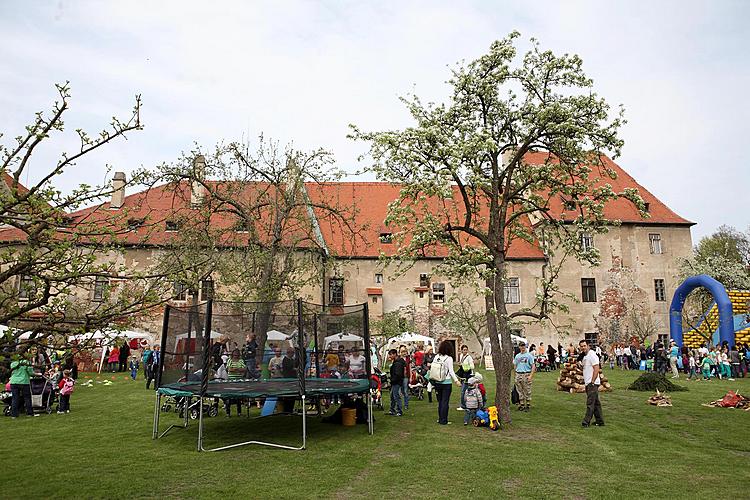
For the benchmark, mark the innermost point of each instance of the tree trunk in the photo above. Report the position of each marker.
(502, 347)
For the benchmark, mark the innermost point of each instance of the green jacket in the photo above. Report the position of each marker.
(20, 372)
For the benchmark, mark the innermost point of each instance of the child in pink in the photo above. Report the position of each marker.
(66, 389)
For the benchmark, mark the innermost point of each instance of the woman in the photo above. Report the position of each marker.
(114, 359)
(404, 353)
(466, 370)
(426, 363)
(444, 358)
(357, 364)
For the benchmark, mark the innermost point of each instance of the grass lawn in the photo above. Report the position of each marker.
(104, 449)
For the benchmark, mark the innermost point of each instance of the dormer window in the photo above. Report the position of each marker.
(134, 224)
(242, 226)
(646, 207)
(569, 205)
(386, 237)
(171, 226)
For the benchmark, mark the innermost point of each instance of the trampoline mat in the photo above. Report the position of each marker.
(267, 388)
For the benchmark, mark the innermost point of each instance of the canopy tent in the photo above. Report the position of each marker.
(411, 338)
(107, 336)
(343, 337)
(183, 337)
(276, 336)
(487, 348)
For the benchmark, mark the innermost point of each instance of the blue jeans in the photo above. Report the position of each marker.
(444, 400)
(18, 390)
(396, 398)
(464, 386)
(405, 389)
(469, 415)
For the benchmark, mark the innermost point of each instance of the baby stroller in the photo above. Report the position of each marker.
(542, 364)
(417, 385)
(6, 397)
(43, 394)
(376, 389)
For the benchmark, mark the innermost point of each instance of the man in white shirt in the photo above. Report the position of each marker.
(591, 379)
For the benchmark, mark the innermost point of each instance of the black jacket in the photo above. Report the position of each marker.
(397, 371)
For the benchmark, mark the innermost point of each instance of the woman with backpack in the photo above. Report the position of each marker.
(442, 376)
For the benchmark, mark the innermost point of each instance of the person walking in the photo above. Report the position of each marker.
(525, 366)
(441, 376)
(398, 366)
(153, 366)
(592, 381)
(427, 363)
(674, 352)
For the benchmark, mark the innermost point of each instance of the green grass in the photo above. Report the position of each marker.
(104, 449)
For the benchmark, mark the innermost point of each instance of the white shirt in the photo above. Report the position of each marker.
(590, 360)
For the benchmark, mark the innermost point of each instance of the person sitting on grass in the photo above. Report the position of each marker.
(472, 400)
(66, 386)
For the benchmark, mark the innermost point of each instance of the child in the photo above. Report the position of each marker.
(134, 364)
(706, 367)
(691, 365)
(66, 389)
(480, 386)
(472, 399)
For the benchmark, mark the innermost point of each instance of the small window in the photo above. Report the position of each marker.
(663, 338)
(654, 241)
(336, 291)
(386, 237)
(587, 242)
(438, 292)
(569, 204)
(512, 291)
(134, 224)
(421, 295)
(588, 289)
(180, 291)
(378, 278)
(207, 289)
(424, 280)
(660, 290)
(171, 226)
(242, 226)
(374, 299)
(101, 284)
(26, 288)
(647, 207)
(592, 338)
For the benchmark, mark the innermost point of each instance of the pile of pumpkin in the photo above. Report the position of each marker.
(571, 378)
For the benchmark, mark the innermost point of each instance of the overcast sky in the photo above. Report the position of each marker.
(303, 71)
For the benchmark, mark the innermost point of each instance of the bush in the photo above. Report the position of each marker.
(653, 381)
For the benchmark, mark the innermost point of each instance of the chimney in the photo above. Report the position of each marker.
(118, 190)
(197, 191)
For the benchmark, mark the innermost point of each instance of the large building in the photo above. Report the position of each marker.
(639, 257)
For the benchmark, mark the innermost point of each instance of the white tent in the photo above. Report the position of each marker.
(107, 336)
(343, 337)
(515, 339)
(182, 336)
(276, 336)
(411, 338)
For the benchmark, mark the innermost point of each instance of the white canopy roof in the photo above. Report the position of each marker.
(342, 337)
(515, 339)
(214, 335)
(276, 336)
(413, 338)
(108, 335)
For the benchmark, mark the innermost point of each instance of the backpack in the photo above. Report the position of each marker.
(67, 387)
(439, 368)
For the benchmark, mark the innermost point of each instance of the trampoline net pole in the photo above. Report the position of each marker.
(163, 344)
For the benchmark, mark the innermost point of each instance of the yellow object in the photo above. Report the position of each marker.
(494, 422)
(740, 301)
(348, 417)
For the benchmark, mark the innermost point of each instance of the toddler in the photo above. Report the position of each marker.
(66, 389)
(472, 399)
(692, 365)
(134, 364)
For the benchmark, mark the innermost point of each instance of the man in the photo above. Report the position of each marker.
(275, 364)
(525, 368)
(153, 366)
(122, 360)
(398, 367)
(591, 379)
(250, 351)
(288, 364)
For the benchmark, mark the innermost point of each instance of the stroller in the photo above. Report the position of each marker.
(6, 398)
(417, 385)
(43, 394)
(376, 389)
(542, 364)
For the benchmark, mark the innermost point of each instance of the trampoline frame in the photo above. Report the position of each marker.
(301, 379)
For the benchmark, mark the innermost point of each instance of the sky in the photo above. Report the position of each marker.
(301, 72)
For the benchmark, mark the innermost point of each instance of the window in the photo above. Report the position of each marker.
(660, 290)
(654, 241)
(374, 299)
(512, 291)
(587, 242)
(207, 289)
(664, 339)
(100, 288)
(378, 278)
(647, 207)
(180, 291)
(438, 292)
(569, 204)
(592, 338)
(171, 226)
(386, 237)
(336, 291)
(424, 280)
(26, 287)
(588, 289)
(134, 224)
(421, 295)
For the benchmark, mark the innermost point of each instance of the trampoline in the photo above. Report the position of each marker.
(188, 367)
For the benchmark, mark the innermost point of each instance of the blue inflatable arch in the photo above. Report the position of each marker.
(726, 321)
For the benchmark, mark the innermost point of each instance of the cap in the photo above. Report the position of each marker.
(479, 377)
(472, 380)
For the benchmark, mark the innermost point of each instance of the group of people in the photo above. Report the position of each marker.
(58, 369)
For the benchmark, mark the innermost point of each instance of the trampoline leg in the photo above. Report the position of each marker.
(304, 424)
(200, 426)
(157, 404)
(370, 426)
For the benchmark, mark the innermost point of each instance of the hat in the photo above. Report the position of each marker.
(522, 344)
(479, 377)
(472, 380)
